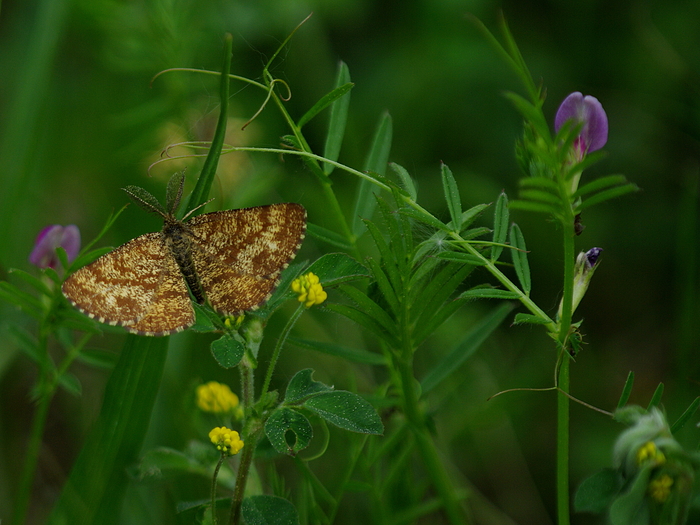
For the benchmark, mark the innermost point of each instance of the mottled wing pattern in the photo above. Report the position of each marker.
(138, 286)
(239, 254)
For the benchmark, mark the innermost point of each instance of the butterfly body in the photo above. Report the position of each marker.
(177, 236)
(230, 259)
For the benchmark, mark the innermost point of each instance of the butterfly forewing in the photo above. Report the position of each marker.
(239, 254)
(138, 285)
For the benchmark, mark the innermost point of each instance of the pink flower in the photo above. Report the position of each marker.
(589, 112)
(44, 253)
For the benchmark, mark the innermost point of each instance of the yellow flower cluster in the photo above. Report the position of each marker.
(217, 398)
(309, 290)
(226, 440)
(648, 452)
(660, 488)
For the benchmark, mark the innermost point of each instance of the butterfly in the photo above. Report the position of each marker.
(230, 259)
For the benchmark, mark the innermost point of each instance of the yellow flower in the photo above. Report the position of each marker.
(649, 452)
(217, 398)
(226, 440)
(309, 290)
(660, 488)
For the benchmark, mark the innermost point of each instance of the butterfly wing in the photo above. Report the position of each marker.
(239, 254)
(138, 286)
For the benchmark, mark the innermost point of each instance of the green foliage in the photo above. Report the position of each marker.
(228, 350)
(269, 510)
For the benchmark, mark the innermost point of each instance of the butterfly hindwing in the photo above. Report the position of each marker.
(137, 285)
(239, 254)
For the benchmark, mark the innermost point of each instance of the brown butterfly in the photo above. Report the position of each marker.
(230, 259)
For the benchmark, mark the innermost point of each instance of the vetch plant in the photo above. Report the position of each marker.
(392, 274)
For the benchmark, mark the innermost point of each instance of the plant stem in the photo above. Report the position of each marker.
(426, 447)
(563, 445)
(213, 489)
(563, 380)
(27, 480)
(278, 347)
(251, 441)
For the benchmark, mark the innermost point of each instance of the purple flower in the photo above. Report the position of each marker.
(589, 112)
(44, 253)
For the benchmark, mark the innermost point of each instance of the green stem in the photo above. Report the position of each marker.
(563, 444)
(278, 348)
(27, 480)
(213, 488)
(426, 447)
(251, 442)
(563, 379)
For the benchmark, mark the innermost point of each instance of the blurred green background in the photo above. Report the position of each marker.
(79, 120)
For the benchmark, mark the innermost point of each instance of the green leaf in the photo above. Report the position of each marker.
(656, 398)
(405, 179)
(351, 354)
(70, 384)
(388, 259)
(597, 492)
(325, 235)
(228, 351)
(33, 281)
(302, 386)
(364, 320)
(377, 162)
(337, 268)
(461, 257)
(400, 234)
(326, 101)
(454, 203)
(500, 225)
(371, 308)
(425, 218)
(88, 257)
(338, 120)
(98, 358)
(541, 196)
(519, 255)
(268, 510)
(631, 508)
(431, 301)
(626, 390)
(489, 293)
(160, 460)
(537, 207)
(522, 318)
(466, 347)
(607, 195)
(282, 424)
(470, 215)
(681, 421)
(599, 184)
(384, 285)
(347, 411)
(25, 301)
(200, 194)
(543, 183)
(95, 489)
(30, 346)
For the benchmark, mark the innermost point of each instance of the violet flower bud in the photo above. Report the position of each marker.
(586, 263)
(44, 253)
(588, 112)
